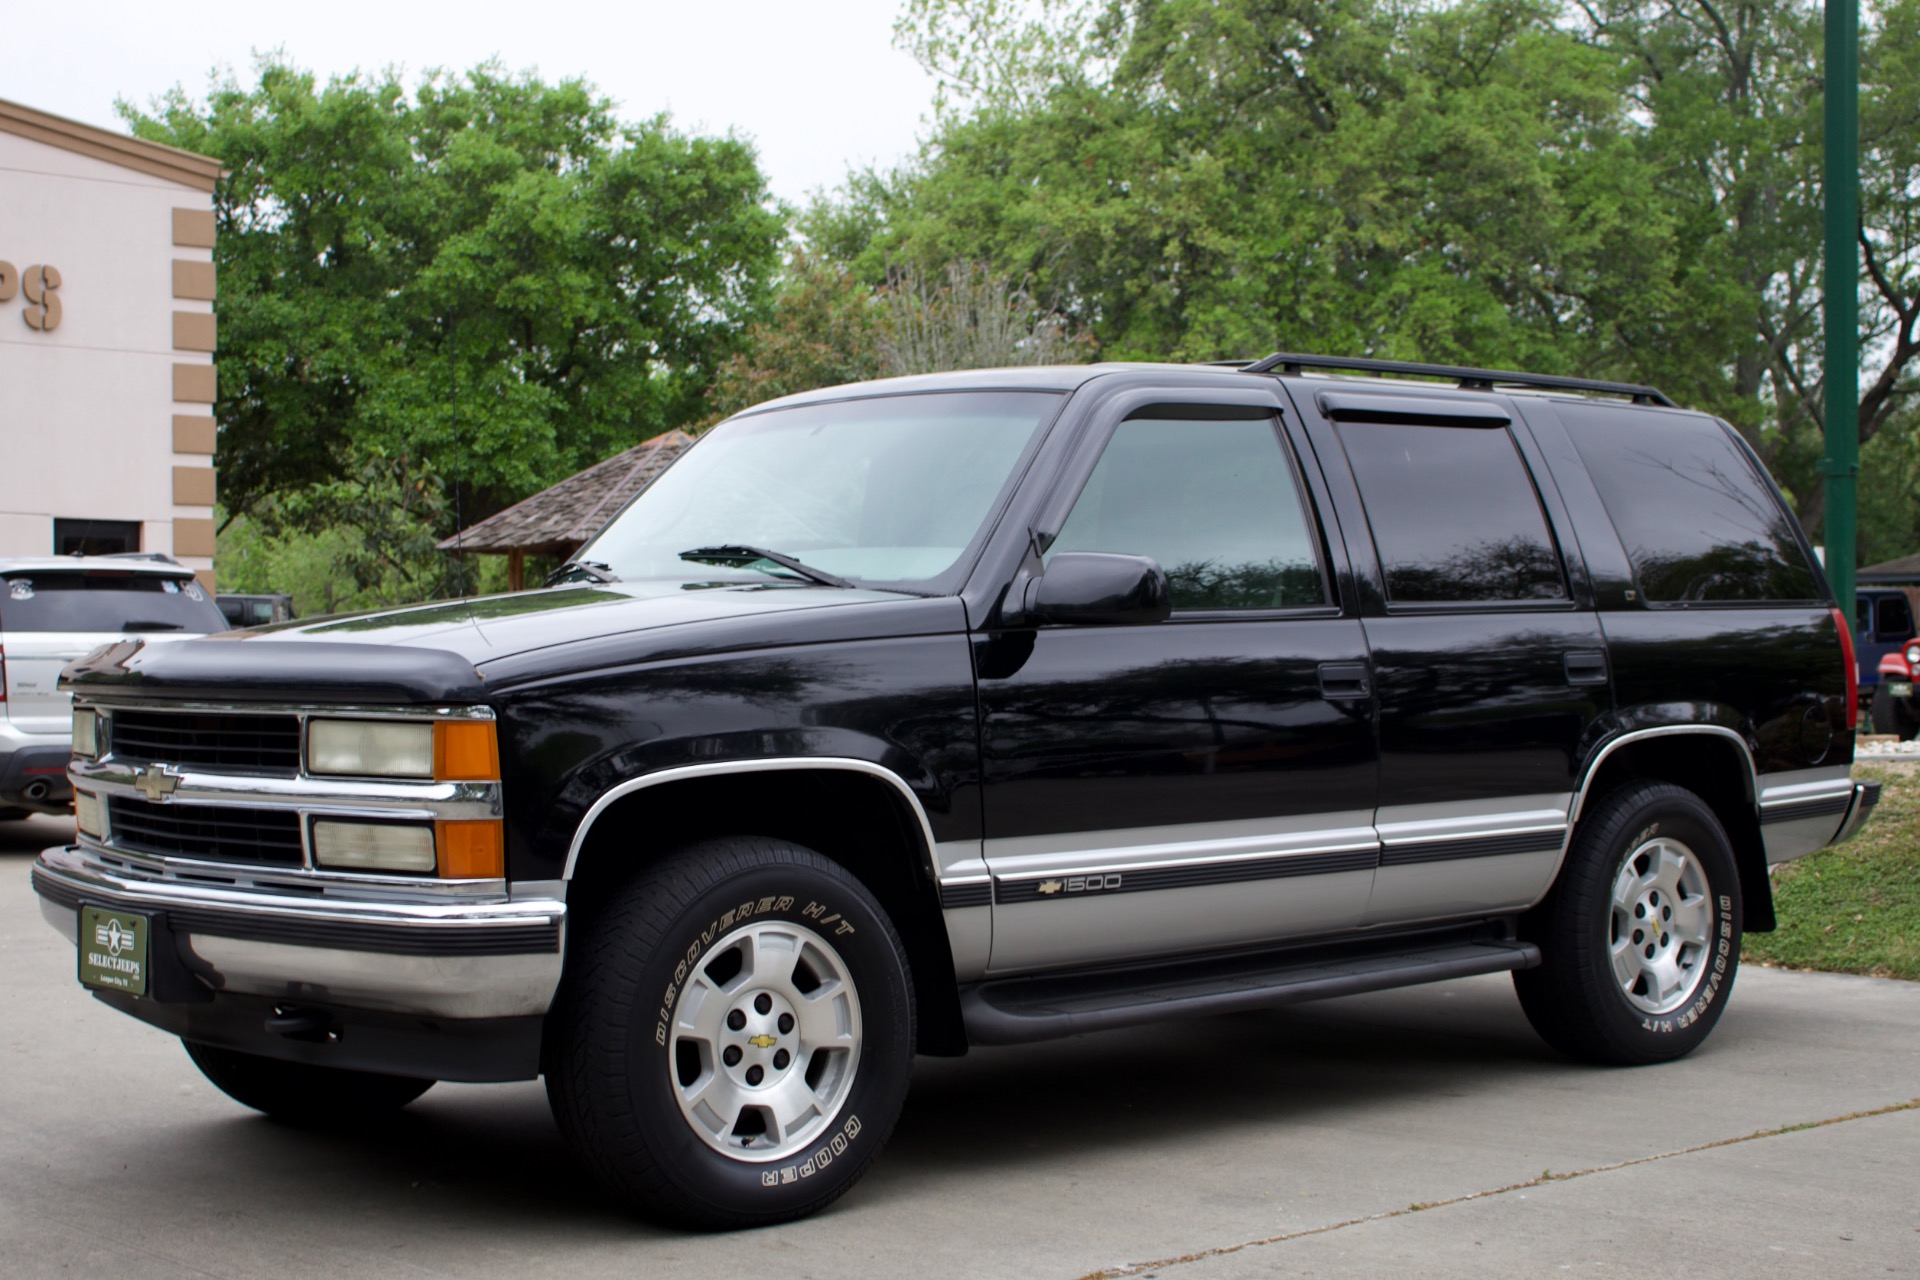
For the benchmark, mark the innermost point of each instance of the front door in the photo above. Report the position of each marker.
(1203, 782)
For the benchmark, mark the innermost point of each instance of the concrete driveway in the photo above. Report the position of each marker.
(1423, 1132)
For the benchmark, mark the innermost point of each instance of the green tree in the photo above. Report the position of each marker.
(828, 327)
(1730, 97)
(1232, 177)
(487, 281)
(1623, 188)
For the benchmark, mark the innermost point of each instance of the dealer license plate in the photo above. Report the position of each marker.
(113, 950)
(1900, 688)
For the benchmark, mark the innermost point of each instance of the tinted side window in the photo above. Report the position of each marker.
(1697, 519)
(1454, 514)
(1215, 502)
(1896, 618)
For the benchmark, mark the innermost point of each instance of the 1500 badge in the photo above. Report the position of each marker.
(1079, 884)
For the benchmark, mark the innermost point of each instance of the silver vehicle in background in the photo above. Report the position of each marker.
(54, 609)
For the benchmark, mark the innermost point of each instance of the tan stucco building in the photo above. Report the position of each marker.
(107, 336)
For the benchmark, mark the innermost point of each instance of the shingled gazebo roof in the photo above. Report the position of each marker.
(1905, 569)
(556, 521)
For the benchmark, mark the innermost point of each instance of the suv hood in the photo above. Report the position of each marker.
(466, 650)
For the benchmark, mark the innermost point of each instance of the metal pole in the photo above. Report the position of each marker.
(1841, 295)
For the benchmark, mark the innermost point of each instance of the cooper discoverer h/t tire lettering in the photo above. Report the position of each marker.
(1640, 937)
(732, 1041)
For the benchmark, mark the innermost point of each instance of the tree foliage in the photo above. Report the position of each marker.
(486, 279)
(1620, 188)
(828, 327)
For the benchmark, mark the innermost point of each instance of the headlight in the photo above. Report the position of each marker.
(86, 733)
(370, 748)
(1913, 655)
(370, 846)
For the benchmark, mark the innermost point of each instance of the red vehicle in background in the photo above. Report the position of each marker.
(1892, 709)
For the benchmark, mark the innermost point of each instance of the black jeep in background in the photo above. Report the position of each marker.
(980, 708)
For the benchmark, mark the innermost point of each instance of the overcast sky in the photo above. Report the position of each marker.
(816, 85)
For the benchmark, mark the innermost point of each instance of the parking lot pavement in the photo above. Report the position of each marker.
(1172, 1151)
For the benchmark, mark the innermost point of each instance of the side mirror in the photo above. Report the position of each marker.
(1093, 587)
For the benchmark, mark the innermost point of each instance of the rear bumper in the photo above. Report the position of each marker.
(1865, 796)
(452, 959)
(33, 770)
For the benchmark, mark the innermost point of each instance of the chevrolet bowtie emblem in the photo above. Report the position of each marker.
(156, 782)
(762, 1041)
(1051, 886)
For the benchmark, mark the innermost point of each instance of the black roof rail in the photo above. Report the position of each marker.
(1469, 379)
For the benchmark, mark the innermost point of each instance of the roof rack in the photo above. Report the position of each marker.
(1469, 379)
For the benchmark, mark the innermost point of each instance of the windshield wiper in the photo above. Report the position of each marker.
(732, 554)
(151, 624)
(591, 570)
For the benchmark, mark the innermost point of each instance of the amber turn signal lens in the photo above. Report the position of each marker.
(471, 850)
(465, 751)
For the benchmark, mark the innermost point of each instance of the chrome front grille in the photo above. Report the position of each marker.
(205, 832)
(217, 741)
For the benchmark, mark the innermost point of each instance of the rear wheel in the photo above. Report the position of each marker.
(302, 1093)
(732, 1041)
(1640, 936)
(1889, 714)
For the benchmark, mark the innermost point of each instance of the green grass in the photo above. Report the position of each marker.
(1855, 908)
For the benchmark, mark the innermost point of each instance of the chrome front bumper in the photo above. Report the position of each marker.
(465, 958)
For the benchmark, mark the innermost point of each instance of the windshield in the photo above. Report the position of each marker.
(104, 601)
(889, 491)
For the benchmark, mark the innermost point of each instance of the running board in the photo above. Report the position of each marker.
(1021, 1010)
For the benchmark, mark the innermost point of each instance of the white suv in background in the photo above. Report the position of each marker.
(54, 609)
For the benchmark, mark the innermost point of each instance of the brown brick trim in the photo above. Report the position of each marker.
(193, 486)
(194, 384)
(193, 280)
(192, 537)
(193, 228)
(205, 578)
(193, 434)
(193, 331)
(153, 158)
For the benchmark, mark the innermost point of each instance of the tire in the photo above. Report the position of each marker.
(1889, 714)
(1608, 990)
(733, 1036)
(301, 1093)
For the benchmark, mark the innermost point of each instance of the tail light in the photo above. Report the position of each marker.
(1853, 669)
(3, 675)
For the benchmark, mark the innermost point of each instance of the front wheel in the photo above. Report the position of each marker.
(1640, 937)
(732, 1040)
(301, 1093)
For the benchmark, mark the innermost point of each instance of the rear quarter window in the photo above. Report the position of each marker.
(105, 603)
(1454, 514)
(1698, 518)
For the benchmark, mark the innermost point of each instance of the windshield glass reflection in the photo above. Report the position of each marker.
(891, 491)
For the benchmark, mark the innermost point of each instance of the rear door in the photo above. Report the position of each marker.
(50, 617)
(1199, 783)
(1488, 659)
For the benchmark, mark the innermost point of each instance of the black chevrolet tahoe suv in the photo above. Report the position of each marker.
(974, 709)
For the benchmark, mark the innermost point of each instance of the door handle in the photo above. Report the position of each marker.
(1344, 680)
(1586, 667)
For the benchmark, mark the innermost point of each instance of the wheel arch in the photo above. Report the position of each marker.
(1715, 764)
(861, 815)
